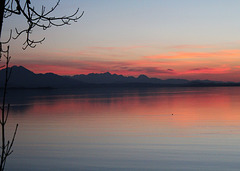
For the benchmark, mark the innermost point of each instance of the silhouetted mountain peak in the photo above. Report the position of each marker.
(22, 77)
(51, 74)
(142, 77)
(20, 69)
(107, 73)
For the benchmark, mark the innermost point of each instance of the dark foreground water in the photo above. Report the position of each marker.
(125, 129)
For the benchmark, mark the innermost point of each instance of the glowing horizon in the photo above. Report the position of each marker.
(186, 40)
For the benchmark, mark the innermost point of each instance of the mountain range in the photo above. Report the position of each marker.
(24, 78)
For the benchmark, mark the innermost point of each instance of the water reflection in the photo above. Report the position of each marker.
(126, 129)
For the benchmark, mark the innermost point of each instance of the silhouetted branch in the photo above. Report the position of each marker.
(9, 38)
(41, 19)
(8, 109)
(6, 147)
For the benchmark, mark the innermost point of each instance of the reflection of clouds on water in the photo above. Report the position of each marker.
(92, 126)
(190, 105)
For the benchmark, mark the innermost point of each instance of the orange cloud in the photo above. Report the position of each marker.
(131, 68)
(208, 70)
(73, 67)
(189, 65)
(193, 55)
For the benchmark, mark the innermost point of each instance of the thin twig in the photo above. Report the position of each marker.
(41, 19)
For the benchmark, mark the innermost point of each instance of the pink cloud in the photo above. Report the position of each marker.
(207, 70)
(84, 67)
(172, 64)
(191, 55)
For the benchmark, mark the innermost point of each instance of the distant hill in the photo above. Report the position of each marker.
(107, 78)
(24, 78)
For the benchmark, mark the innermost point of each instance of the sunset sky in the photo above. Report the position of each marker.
(158, 38)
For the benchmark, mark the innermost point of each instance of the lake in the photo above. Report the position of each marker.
(125, 129)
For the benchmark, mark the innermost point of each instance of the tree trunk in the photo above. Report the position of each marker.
(2, 4)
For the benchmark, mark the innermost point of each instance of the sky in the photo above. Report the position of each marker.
(197, 39)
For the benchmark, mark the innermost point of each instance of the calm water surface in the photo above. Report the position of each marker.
(125, 129)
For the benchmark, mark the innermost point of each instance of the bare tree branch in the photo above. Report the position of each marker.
(42, 19)
(6, 147)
